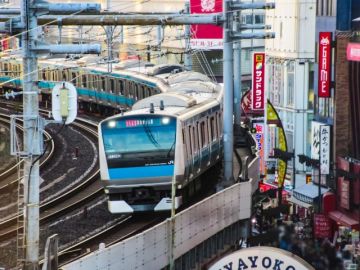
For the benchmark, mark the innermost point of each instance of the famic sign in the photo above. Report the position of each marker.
(325, 39)
(258, 78)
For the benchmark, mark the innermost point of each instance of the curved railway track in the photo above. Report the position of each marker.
(6, 182)
(82, 193)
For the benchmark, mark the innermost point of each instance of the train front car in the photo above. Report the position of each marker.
(137, 161)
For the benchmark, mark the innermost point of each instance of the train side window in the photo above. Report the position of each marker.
(84, 81)
(121, 84)
(212, 127)
(189, 144)
(6, 69)
(220, 123)
(103, 84)
(195, 139)
(203, 132)
(112, 85)
(183, 131)
(64, 75)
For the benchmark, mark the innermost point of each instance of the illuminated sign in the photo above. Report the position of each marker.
(258, 78)
(259, 137)
(322, 226)
(138, 122)
(261, 258)
(353, 52)
(325, 39)
(206, 36)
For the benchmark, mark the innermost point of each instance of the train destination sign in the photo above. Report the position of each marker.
(261, 258)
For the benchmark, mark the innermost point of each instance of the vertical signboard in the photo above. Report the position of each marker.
(206, 36)
(324, 77)
(315, 139)
(259, 137)
(258, 78)
(324, 149)
(345, 193)
(322, 226)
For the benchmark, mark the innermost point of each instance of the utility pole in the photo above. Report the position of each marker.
(109, 30)
(188, 57)
(32, 150)
(229, 37)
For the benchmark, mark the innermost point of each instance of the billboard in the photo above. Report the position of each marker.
(353, 52)
(259, 138)
(324, 75)
(324, 149)
(206, 36)
(258, 78)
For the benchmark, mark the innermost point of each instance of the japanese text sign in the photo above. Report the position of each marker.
(258, 78)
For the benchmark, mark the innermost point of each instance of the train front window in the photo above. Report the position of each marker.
(140, 137)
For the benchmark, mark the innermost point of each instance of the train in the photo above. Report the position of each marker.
(97, 88)
(166, 141)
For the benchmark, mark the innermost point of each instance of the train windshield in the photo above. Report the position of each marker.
(139, 140)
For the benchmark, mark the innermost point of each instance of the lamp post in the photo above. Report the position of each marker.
(284, 156)
(315, 163)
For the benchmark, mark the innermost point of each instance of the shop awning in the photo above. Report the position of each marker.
(298, 202)
(307, 193)
(343, 218)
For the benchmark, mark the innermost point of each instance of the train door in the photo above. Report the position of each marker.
(204, 146)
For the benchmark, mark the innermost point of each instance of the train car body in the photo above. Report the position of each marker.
(129, 81)
(172, 136)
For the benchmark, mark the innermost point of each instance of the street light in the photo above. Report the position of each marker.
(315, 163)
(284, 156)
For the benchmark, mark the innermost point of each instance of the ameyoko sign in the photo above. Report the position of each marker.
(261, 258)
(258, 78)
(325, 39)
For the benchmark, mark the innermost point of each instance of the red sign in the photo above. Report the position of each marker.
(258, 81)
(322, 226)
(206, 36)
(325, 39)
(353, 52)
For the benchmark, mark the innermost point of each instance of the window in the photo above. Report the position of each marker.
(259, 19)
(84, 80)
(290, 84)
(246, 19)
(121, 87)
(326, 8)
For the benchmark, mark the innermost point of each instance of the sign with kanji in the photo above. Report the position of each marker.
(258, 78)
(324, 149)
(322, 226)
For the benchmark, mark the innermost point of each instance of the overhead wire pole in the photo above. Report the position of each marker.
(31, 137)
(228, 95)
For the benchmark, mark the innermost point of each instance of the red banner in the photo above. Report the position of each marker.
(324, 77)
(258, 78)
(206, 36)
(322, 226)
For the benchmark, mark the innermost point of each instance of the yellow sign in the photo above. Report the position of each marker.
(272, 116)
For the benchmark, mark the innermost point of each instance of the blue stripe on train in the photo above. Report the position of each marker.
(141, 172)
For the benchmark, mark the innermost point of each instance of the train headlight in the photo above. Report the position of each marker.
(165, 120)
(111, 124)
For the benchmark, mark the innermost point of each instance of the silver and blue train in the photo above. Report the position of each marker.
(175, 135)
(118, 89)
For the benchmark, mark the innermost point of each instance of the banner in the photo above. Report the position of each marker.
(206, 36)
(322, 226)
(325, 149)
(325, 39)
(258, 78)
(273, 118)
(259, 137)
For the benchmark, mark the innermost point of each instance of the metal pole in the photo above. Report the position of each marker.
(228, 106)
(172, 224)
(188, 57)
(109, 35)
(31, 137)
(237, 75)
(319, 188)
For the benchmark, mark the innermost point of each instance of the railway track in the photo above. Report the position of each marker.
(82, 193)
